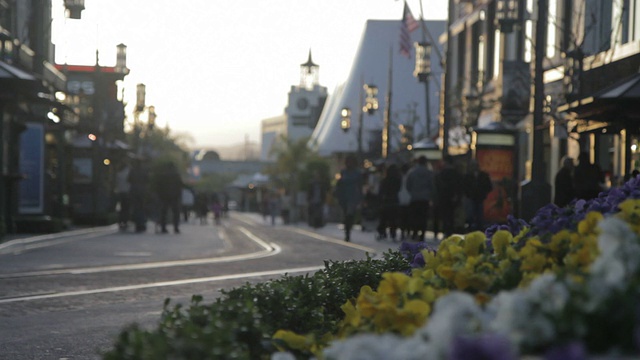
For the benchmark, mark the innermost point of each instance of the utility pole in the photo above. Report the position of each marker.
(446, 117)
(537, 192)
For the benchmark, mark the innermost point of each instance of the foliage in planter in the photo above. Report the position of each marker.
(564, 286)
(240, 323)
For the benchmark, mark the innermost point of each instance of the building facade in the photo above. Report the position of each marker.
(33, 122)
(305, 103)
(98, 140)
(589, 57)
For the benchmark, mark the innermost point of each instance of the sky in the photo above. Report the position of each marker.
(214, 69)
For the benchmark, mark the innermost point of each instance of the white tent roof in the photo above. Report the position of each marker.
(379, 42)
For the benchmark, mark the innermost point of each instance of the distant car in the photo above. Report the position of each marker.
(232, 205)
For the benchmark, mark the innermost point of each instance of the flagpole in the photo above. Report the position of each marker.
(386, 132)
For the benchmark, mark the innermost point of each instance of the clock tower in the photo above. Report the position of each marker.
(305, 102)
(301, 115)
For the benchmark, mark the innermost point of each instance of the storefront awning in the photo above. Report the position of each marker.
(616, 103)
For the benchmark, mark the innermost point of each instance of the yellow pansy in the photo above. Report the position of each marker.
(474, 243)
(533, 263)
(352, 315)
(501, 241)
(293, 340)
(445, 272)
(589, 224)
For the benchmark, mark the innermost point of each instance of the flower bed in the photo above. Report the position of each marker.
(562, 287)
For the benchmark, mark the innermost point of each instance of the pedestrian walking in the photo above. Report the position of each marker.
(404, 199)
(273, 205)
(316, 194)
(348, 192)
(588, 178)
(421, 186)
(139, 182)
(477, 185)
(448, 198)
(168, 187)
(564, 183)
(389, 203)
(123, 188)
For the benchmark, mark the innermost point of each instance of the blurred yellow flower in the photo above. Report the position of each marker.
(589, 224)
(474, 243)
(501, 241)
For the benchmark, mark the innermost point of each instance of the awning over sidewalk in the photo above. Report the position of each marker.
(616, 103)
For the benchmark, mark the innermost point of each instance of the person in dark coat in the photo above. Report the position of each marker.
(168, 186)
(564, 188)
(388, 195)
(587, 178)
(139, 180)
(404, 199)
(449, 195)
(316, 194)
(348, 192)
(477, 186)
(422, 187)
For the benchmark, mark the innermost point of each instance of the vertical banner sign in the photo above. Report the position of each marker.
(31, 194)
(499, 164)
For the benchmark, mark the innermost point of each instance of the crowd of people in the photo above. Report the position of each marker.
(411, 199)
(584, 180)
(145, 194)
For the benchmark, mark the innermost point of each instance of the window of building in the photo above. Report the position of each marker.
(496, 53)
(552, 24)
(528, 34)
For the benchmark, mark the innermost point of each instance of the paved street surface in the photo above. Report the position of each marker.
(68, 295)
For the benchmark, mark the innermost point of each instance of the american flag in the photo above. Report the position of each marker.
(409, 24)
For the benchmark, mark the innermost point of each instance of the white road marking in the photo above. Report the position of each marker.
(161, 284)
(268, 250)
(333, 240)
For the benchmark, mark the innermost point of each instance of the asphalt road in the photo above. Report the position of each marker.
(66, 296)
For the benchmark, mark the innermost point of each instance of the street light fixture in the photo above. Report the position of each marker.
(368, 105)
(574, 60)
(74, 8)
(371, 101)
(507, 14)
(422, 71)
(345, 122)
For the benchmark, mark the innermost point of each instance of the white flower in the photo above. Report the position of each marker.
(378, 347)
(454, 314)
(618, 261)
(519, 315)
(282, 356)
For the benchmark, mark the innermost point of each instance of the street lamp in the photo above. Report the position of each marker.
(537, 192)
(371, 101)
(74, 8)
(423, 71)
(507, 14)
(573, 72)
(345, 122)
(368, 105)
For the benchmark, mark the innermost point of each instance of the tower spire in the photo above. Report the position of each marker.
(309, 73)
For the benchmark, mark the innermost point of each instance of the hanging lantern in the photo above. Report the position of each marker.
(345, 122)
(74, 8)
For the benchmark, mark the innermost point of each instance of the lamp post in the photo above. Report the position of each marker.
(345, 121)
(368, 105)
(507, 14)
(536, 193)
(74, 8)
(422, 71)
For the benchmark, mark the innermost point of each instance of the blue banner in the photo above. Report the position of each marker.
(31, 194)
